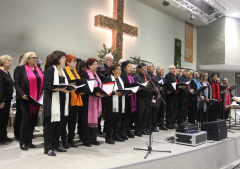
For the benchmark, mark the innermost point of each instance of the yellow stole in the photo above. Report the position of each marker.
(76, 99)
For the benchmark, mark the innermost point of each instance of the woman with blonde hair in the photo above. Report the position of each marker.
(6, 88)
(28, 81)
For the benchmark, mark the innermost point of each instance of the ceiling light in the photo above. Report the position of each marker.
(166, 3)
(192, 17)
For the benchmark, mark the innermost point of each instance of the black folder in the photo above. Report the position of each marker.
(84, 89)
(212, 100)
(233, 87)
(168, 86)
(200, 90)
(223, 87)
(69, 87)
(133, 85)
(35, 103)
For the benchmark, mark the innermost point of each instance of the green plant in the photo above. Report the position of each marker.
(104, 51)
(177, 52)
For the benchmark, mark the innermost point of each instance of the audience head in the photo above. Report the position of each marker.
(203, 77)
(115, 70)
(214, 77)
(71, 61)
(190, 76)
(120, 61)
(206, 76)
(219, 80)
(29, 58)
(47, 63)
(83, 67)
(20, 58)
(6, 61)
(185, 72)
(225, 81)
(58, 58)
(196, 75)
(92, 64)
(133, 72)
(79, 61)
(126, 65)
(142, 68)
(160, 71)
(178, 71)
(150, 68)
(109, 59)
(39, 63)
(172, 69)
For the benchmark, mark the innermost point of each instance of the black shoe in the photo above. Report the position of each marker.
(65, 145)
(130, 134)
(2, 141)
(87, 144)
(144, 132)
(8, 139)
(59, 149)
(162, 127)
(31, 145)
(50, 153)
(72, 143)
(110, 141)
(170, 127)
(155, 130)
(23, 147)
(97, 143)
(100, 132)
(118, 139)
(139, 134)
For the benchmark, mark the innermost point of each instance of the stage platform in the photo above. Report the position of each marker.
(210, 155)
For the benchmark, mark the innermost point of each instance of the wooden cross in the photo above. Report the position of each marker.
(116, 25)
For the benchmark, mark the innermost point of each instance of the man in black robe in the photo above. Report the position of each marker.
(161, 110)
(102, 72)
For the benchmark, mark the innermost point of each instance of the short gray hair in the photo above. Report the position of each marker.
(158, 68)
(148, 64)
(109, 55)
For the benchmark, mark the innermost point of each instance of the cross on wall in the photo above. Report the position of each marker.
(116, 25)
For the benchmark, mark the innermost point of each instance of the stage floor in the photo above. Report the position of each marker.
(103, 156)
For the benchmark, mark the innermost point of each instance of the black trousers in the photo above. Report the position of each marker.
(171, 108)
(88, 134)
(71, 120)
(193, 108)
(213, 115)
(161, 111)
(226, 114)
(113, 123)
(28, 122)
(52, 132)
(18, 118)
(79, 126)
(142, 113)
(183, 105)
(4, 116)
(154, 117)
(220, 110)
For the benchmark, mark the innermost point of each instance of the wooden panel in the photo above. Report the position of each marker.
(188, 42)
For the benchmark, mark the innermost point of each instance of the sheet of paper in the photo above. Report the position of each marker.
(91, 84)
(143, 84)
(133, 89)
(80, 86)
(40, 101)
(108, 88)
(174, 85)
(160, 81)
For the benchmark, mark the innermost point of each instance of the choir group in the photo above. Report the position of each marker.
(125, 115)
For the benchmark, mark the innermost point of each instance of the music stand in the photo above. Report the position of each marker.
(149, 148)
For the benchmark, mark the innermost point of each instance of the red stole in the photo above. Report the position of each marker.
(216, 95)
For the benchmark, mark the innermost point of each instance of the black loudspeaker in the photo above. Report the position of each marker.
(216, 130)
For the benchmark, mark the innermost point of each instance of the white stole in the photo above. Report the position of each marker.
(55, 109)
(115, 102)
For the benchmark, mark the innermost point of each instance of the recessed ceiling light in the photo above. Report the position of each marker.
(234, 14)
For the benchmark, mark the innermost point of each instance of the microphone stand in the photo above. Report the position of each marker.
(149, 148)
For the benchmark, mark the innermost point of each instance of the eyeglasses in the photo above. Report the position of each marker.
(110, 60)
(118, 69)
(34, 58)
(74, 61)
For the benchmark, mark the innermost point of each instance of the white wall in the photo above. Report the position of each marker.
(232, 41)
(48, 25)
